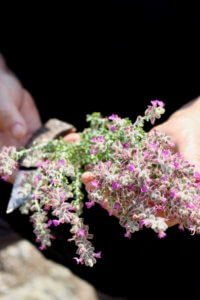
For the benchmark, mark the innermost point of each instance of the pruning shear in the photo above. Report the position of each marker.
(51, 130)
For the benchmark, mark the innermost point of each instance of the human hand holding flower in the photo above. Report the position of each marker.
(183, 128)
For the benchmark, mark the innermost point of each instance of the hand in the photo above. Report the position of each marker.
(19, 117)
(184, 129)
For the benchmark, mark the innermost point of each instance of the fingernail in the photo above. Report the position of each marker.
(18, 131)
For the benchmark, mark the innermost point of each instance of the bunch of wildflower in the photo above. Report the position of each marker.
(138, 179)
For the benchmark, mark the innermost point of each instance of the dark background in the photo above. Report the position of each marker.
(114, 59)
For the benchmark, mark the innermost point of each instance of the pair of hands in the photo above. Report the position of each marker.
(19, 119)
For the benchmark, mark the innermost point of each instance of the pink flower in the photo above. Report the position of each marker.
(126, 145)
(191, 229)
(161, 235)
(37, 179)
(5, 178)
(164, 200)
(56, 222)
(113, 128)
(153, 146)
(89, 204)
(165, 153)
(131, 168)
(49, 223)
(164, 178)
(115, 185)
(109, 163)
(62, 196)
(78, 260)
(127, 235)
(94, 139)
(176, 165)
(42, 247)
(110, 213)
(97, 255)
(43, 164)
(93, 150)
(145, 222)
(101, 139)
(130, 187)
(113, 117)
(157, 103)
(191, 206)
(61, 163)
(146, 154)
(81, 233)
(149, 181)
(72, 208)
(53, 181)
(197, 198)
(117, 205)
(153, 119)
(181, 227)
(97, 139)
(197, 176)
(39, 163)
(144, 188)
(172, 194)
(95, 184)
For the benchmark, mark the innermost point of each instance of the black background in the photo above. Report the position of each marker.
(112, 58)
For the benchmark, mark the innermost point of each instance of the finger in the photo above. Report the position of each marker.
(87, 177)
(72, 138)
(9, 179)
(166, 130)
(186, 140)
(190, 150)
(90, 186)
(30, 113)
(170, 222)
(11, 119)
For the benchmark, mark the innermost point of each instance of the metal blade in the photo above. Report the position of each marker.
(18, 196)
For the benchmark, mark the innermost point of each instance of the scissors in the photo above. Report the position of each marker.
(51, 130)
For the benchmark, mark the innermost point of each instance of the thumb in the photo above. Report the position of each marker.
(186, 141)
(11, 120)
(190, 151)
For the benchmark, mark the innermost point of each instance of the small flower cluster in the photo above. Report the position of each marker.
(138, 178)
(8, 161)
(146, 181)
